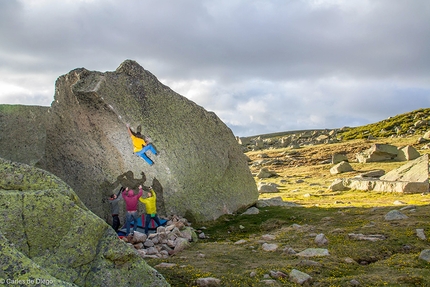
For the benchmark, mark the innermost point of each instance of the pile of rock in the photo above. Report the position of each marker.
(168, 240)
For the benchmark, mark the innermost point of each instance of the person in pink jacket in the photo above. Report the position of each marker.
(131, 201)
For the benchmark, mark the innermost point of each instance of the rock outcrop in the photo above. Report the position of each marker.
(46, 233)
(385, 152)
(201, 172)
(412, 177)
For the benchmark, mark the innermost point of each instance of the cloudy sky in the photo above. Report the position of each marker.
(261, 65)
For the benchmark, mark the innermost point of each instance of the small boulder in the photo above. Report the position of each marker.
(299, 277)
(395, 215)
(425, 255)
(341, 167)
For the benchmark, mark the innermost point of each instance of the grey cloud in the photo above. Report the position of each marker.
(309, 64)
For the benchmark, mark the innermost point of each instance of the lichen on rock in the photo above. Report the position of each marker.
(46, 232)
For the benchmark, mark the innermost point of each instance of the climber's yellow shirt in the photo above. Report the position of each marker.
(150, 203)
(138, 143)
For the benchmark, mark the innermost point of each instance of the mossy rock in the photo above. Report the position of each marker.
(46, 232)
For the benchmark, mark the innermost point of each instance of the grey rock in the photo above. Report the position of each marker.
(299, 277)
(420, 234)
(313, 252)
(321, 240)
(338, 157)
(341, 167)
(425, 255)
(81, 249)
(338, 185)
(82, 139)
(378, 152)
(395, 215)
(266, 173)
(267, 188)
(411, 172)
(208, 282)
(269, 247)
(407, 153)
(252, 211)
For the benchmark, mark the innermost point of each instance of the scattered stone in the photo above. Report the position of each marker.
(202, 235)
(277, 274)
(338, 157)
(269, 247)
(266, 173)
(338, 185)
(354, 282)
(409, 207)
(350, 260)
(241, 241)
(251, 211)
(395, 215)
(289, 251)
(208, 282)
(377, 153)
(425, 255)
(268, 237)
(420, 234)
(407, 153)
(321, 240)
(371, 237)
(341, 168)
(275, 201)
(267, 188)
(299, 277)
(398, 202)
(313, 252)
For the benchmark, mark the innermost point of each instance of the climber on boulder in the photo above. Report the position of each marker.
(140, 145)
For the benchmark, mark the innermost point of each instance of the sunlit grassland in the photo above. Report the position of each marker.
(389, 262)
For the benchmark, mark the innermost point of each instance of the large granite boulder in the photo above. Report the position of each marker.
(23, 133)
(201, 172)
(46, 233)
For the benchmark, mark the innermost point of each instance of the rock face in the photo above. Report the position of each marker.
(201, 172)
(23, 132)
(47, 233)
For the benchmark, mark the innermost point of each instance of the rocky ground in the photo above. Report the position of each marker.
(315, 237)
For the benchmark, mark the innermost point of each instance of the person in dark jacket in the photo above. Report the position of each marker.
(114, 205)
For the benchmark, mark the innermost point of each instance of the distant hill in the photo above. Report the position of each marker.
(403, 124)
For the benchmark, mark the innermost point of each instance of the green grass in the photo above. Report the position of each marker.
(390, 262)
(387, 128)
